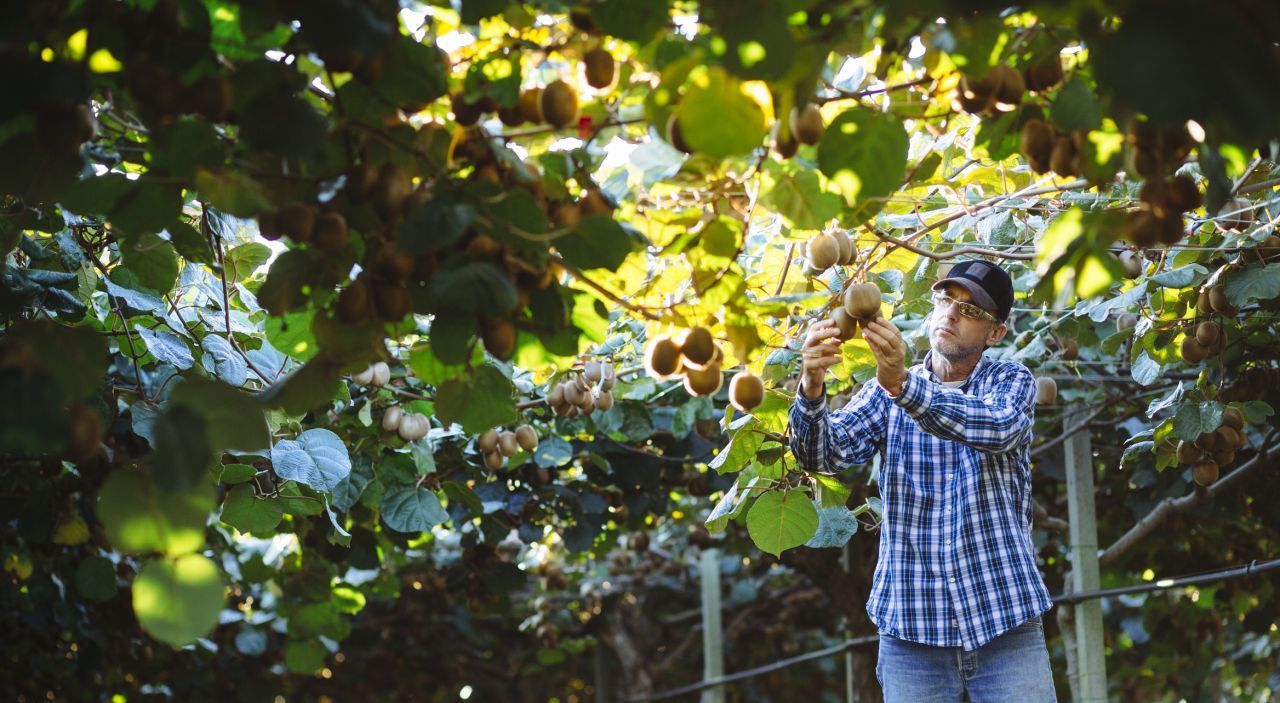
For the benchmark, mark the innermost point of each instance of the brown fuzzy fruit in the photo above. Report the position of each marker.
(508, 444)
(599, 68)
(1046, 391)
(268, 226)
(846, 323)
(84, 433)
(806, 124)
(1207, 441)
(511, 116)
(824, 251)
(862, 301)
(1068, 349)
(353, 303)
(487, 442)
(499, 338)
(297, 221)
(675, 135)
(604, 401)
(331, 232)
(698, 347)
(787, 147)
(1232, 417)
(1009, 87)
(1064, 159)
(1126, 321)
(1208, 333)
(360, 181)
(705, 381)
(1188, 453)
(530, 104)
(848, 250)
(1218, 299)
(1205, 472)
(594, 202)
(1036, 143)
(1182, 194)
(746, 391)
(391, 301)
(662, 357)
(494, 461)
(1236, 214)
(1044, 75)
(393, 264)
(390, 191)
(527, 438)
(559, 104)
(1228, 438)
(1192, 351)
(1132, 262)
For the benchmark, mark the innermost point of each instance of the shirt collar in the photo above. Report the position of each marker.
(928, 369)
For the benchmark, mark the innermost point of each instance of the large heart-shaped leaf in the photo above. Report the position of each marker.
(412, 509)
(779, 521)
(178, 601)
(317, 458)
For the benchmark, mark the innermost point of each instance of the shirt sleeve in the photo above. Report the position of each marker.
(995, 422)
(834, 441)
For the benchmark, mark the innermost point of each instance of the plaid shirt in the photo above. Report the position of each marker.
(957, 567)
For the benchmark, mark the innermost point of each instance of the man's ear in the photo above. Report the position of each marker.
(997, 333)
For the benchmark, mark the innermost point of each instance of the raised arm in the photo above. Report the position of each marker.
(996, 422)
(845, 437)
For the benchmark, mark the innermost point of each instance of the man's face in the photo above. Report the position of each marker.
(954, 335)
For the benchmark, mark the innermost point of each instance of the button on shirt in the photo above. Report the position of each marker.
(957, 566)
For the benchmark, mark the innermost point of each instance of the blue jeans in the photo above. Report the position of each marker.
(1011, 667)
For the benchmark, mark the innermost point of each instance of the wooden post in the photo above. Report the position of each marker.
(712, 637)
(849, 695)
(1091, 659)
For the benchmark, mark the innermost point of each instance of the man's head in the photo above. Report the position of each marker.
(970, 308)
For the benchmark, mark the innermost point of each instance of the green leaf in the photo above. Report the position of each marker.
(1195, 419)
(740, 451)
(479, 403)
(76, 357)
(597, 242)
(233, 419)
(779, 521)
(233, 192)
(835, 526)
(1254, 282)
(246, 512)
(349, 489)
(428, 367)
(96, 579)
(1257, 411)
(475, 10)
(178, 600)
(236, 473)
(1145, 370)
(1076, 107)
(475, 288)
(718, 119)
(305, 657)
(864, 153)
(730, 505)
(140, 518)
(434, 226)
(243, 260)
(799, 198)
(311, 386)
(222, 360)
(1181, 277)
(153, 260)
(832, 491)
(317, 458)
(169, 348)
(146, 208)
(191, 245)
(632, 21)
(412, 509)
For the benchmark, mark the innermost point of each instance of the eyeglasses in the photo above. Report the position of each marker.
(973, 312)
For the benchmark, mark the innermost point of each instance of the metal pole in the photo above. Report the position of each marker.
(712, 637)
(1091, 659)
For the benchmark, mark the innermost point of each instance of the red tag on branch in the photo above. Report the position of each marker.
(584, 127)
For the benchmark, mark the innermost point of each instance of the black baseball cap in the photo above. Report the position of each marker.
(989, 285)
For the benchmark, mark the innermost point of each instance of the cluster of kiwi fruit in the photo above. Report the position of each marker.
(696, 357)
(377, 374)
(1046, 149)
(829, 249)
(1208, 340)
(1237, 214)
(163, 94)
(410, 426)
(999, 90)
(806, 127)
(1214, 450)
(1254, 383)
(586, 392)
(304, 223)
(859, 305)
(1159, 221)
(496, 447)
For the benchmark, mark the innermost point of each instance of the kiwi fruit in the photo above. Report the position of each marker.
(704, 381)
(361, 179)
(566, 214)
(1046, 391)
(1228, 437)
(494, 460)
(746, 391)
(1232, 417)
(588, 404)
(1207, 441)
(392, 417)
(499, 337)
(1044, 75)
(592, 371)
(604, 401)
(393, 264)
(1218, 300)
(1208, 334)
(466, 114)
(1009, 86)
(1182, 195)
(482, 247)
(608, 376)
(381, 374)
(1203, 306)
(787, 147)
(413, 427)
(511, 116)
(1224, 455)
(353, 303)
(662, 357)
(527, 438)
(530, 104)
(297, 221)
(269, 226)
(1036, 142)
(1188, 453)
(1192, 351)
(84, 433)
(1132, 263)
(507, 443)
(698, 347)
(1063, 160)
(487, 442)
(823, 251)
(559, 104)
(806, 123)
(862, 301)
(976, 96)
(392, 301)
(390, 191)
(594, 202)
(848, 250)
(846, 323)
(1205, 472)
(1236, 214)
(599, 68)
(1126, 321)
(331, 232)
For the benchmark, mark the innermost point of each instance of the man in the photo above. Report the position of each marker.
(956, 594)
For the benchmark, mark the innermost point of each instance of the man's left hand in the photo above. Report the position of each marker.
(890, 350)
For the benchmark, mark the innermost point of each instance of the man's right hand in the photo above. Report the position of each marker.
(821, 351)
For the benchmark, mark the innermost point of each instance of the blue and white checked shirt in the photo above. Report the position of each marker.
(957, 567)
